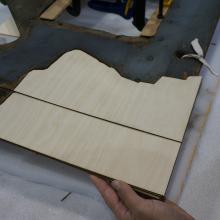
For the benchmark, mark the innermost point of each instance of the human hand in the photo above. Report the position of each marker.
(127, 205)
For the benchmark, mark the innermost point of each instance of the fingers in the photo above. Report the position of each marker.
(110, 197)
(125, 203)
(127, 195)
(106, 191)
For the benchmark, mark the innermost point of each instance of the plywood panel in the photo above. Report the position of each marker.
(80, 82)
(143, 160)
(55, 9)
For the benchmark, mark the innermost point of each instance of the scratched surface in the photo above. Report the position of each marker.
(139, 59)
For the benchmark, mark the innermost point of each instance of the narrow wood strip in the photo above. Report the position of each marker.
(55, 9)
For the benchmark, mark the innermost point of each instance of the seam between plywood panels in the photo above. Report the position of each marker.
(80, 82)
(89, 143)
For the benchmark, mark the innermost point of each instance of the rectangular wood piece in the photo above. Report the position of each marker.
(55, 9)
(142, 160)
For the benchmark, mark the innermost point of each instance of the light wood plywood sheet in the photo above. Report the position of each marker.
(80, 82)
(55, 9)
(141, 159)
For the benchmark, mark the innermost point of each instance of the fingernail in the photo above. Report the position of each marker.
(116, 184)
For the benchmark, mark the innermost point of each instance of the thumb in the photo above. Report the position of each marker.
(126, 194)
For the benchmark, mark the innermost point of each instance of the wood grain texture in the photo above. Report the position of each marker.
(80, 82)
(9, 28)
(142, 160)
(55, 9)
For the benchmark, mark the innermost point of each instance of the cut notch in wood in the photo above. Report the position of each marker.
(55, 9)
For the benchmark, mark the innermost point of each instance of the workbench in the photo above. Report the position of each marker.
(35, 187)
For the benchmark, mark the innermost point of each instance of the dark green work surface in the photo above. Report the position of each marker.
(139, 59)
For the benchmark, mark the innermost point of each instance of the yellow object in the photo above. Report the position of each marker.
(129, 5)
(167, 2)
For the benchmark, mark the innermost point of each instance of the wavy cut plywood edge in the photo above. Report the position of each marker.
(80, 82)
